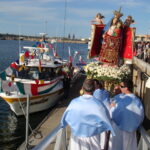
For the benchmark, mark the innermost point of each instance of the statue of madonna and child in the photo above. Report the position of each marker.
(112, 39)
(111, 43)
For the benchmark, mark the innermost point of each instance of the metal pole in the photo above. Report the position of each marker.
(27, 123)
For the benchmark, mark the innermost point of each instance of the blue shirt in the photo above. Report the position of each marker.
(103, 96)
(86, 117)
(128, 113)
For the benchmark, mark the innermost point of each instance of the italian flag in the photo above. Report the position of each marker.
(37, 89)
(70, 57)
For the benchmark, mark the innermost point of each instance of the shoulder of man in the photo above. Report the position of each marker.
(119, 96)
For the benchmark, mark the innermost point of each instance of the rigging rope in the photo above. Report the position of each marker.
(34, 132)
(65, 16)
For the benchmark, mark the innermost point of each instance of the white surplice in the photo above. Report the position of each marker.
(96, 142)
(123, 140)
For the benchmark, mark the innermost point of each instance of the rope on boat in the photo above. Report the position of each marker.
(35, 133)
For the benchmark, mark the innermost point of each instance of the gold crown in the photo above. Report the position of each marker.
(118, 13)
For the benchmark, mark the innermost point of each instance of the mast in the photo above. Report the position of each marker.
(64, 23)
(19, 42)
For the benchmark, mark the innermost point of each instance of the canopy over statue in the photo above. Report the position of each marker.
(114, 41)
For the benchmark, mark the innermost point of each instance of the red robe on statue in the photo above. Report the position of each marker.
(113, 48)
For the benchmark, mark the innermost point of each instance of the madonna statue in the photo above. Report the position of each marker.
(112, 38)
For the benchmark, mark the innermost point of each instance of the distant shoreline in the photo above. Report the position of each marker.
(37, 38)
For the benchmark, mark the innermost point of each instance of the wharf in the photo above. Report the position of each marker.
(53, 118)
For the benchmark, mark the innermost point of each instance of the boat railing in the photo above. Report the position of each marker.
(59, 140)
(56, 140)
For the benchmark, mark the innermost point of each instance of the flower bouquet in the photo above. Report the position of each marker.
(109, 74)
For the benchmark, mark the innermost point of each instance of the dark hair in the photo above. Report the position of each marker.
(96, 81)
(99, 83)
(128, 84)
(88, 85)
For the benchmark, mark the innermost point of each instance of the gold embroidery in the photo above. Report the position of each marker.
(110, 50)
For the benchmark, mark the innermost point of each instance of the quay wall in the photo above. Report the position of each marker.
(141, 77)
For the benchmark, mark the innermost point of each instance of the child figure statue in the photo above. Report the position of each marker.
(98, 19)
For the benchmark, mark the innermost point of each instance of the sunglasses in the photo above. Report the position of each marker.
(122, 86)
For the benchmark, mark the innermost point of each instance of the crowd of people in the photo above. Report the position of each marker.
(142, 51)
(99, 122)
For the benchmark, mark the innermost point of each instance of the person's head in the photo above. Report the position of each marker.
(126, 86)
(98, 84)
(117, 90)
(99, 16)
(88, 86)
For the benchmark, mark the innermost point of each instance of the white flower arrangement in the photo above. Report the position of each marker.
(107, 73)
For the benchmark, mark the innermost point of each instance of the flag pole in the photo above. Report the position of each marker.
(19, 44)
(27, 123)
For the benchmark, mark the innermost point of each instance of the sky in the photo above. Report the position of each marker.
(62, 17)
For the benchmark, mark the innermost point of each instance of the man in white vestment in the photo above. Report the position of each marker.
(127, 114)
(88, 119)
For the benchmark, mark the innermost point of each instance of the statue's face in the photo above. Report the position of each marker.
(98, 16)
(115, 20)
(129, 19)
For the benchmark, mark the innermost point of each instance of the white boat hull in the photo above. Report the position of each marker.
(37, 103)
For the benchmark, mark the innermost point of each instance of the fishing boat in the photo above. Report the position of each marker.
(36, 75)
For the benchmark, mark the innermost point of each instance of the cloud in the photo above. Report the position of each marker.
(126, 3)
(86, 13)
(79, 12)
(26, 11)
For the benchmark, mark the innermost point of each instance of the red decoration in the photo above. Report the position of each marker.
(37, 81)
(127, 45)
(96, 40)
(9, 84)
(27, 54)
(14, 65)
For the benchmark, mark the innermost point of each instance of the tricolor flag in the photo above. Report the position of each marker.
(70, 57)
(55, 53)
(37, 89)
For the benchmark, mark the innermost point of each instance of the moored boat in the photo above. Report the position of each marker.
(36, 75)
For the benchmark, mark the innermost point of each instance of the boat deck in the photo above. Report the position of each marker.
(53, 118)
